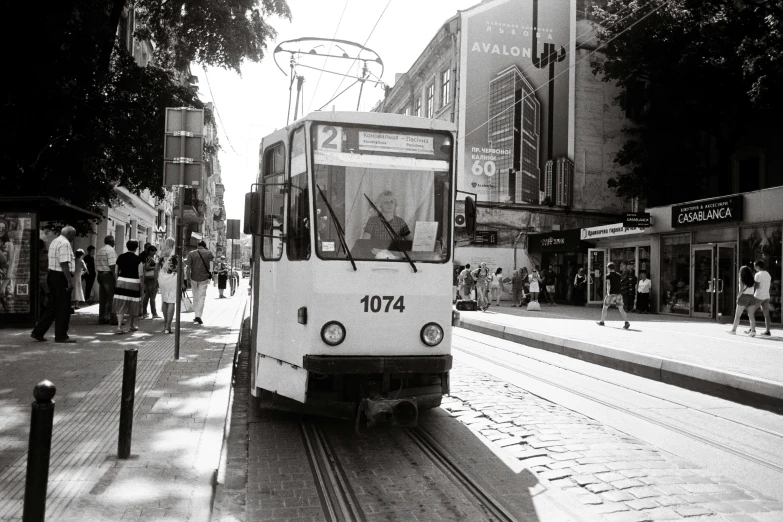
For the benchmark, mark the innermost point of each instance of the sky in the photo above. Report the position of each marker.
(253, 104)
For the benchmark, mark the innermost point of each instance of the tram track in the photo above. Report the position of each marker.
(628, 411)
(337, 498)
(484, 502)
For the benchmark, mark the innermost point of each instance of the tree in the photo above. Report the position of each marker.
(82, 117)
(708, 77)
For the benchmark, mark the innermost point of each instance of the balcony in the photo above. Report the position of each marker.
(190, 206)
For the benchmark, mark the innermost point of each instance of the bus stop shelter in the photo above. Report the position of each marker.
(27, 226)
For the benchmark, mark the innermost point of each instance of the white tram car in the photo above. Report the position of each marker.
(352, 215)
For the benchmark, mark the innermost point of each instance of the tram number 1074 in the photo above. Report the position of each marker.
(375, 303)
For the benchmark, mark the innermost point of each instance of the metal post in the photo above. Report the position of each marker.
(180, 252)
(38, 453)
(126, 404)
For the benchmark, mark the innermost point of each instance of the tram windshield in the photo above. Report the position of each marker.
(387, 190)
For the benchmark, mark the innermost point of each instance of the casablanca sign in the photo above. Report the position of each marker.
(718, 210)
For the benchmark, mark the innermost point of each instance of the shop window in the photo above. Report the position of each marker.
(764, 242)
(675, 274)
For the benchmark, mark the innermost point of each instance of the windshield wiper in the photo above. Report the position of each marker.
(340, 232)
(395, 237)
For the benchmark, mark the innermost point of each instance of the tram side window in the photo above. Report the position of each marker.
(274, 202)
(298, 237)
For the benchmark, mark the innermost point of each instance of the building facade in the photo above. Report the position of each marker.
(524, 102)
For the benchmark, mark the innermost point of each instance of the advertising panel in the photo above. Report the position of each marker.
(717, 210)
(15, 262)
(516, 96)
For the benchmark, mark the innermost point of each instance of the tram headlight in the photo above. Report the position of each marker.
(431, 334)
(333, 333)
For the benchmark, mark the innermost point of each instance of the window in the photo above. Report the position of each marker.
(445, 87)
(387, 199)
(430, 100)
(675, 274)
(417, 106)
(405, 111)
(273, 201)
(298, 238)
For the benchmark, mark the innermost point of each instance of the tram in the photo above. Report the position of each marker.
(352, 216)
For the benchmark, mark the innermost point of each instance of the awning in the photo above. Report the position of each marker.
(556, 241)
(48, 208)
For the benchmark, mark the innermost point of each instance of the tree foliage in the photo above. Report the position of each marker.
(82, 117)
(710, 71)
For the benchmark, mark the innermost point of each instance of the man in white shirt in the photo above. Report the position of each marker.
(105, 260)
(643, 293)
(761, 296)
(60, 282)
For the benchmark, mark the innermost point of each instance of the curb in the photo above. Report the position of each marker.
(225, 506)
(753, 391)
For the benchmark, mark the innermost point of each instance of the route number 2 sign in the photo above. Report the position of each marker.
(330, 138)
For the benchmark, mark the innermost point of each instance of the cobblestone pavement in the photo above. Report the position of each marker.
(179, 412)
(614, 475)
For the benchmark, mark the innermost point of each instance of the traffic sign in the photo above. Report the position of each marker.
(192, 174)
(232, 229)
(175, 147)
(184, 119)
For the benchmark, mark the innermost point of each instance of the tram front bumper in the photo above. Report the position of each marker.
(326, 364)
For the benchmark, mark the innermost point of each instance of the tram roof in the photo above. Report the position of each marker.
(377, 118)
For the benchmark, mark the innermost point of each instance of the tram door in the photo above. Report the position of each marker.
(596, 275)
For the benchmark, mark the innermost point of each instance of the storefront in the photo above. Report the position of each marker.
(23, 245)
(566, 253)
(628, 248)
(702, 244)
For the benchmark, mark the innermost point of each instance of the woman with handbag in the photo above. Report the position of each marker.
(167, 282)
(745, 300)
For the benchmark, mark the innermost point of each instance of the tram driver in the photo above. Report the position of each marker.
(375, 229)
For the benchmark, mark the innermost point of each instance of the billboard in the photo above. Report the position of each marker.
(516, 96)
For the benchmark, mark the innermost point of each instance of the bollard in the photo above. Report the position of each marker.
(38, 453)
(126, 405)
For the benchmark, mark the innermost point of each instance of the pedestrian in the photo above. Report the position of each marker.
(496, 286)
(105, 261)
(167, 282)
(60, 283)
(614, 296)
(150, 282)
(762, 284)
(222, 275)
(465, 282)
(232, 280)
(580, 283)
(89, 277)
(534, 279)
(80, 269)
(628, 284)
(517, 288)
(550, 282)
(525, 286)
(127, 293)
(745, 300)
(481, 276)
(643, 293)
(199, 274)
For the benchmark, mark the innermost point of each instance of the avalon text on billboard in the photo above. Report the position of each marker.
(515, 96)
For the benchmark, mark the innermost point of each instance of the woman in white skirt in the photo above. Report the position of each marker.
(127, 292)
(167, 282)
(78, 287)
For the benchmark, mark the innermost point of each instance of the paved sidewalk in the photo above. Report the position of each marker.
(688, 352)
(179, 416)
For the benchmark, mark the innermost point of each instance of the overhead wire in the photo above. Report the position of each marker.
(328, 52)
(365, 44)
(545, 84)
(214, 102)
